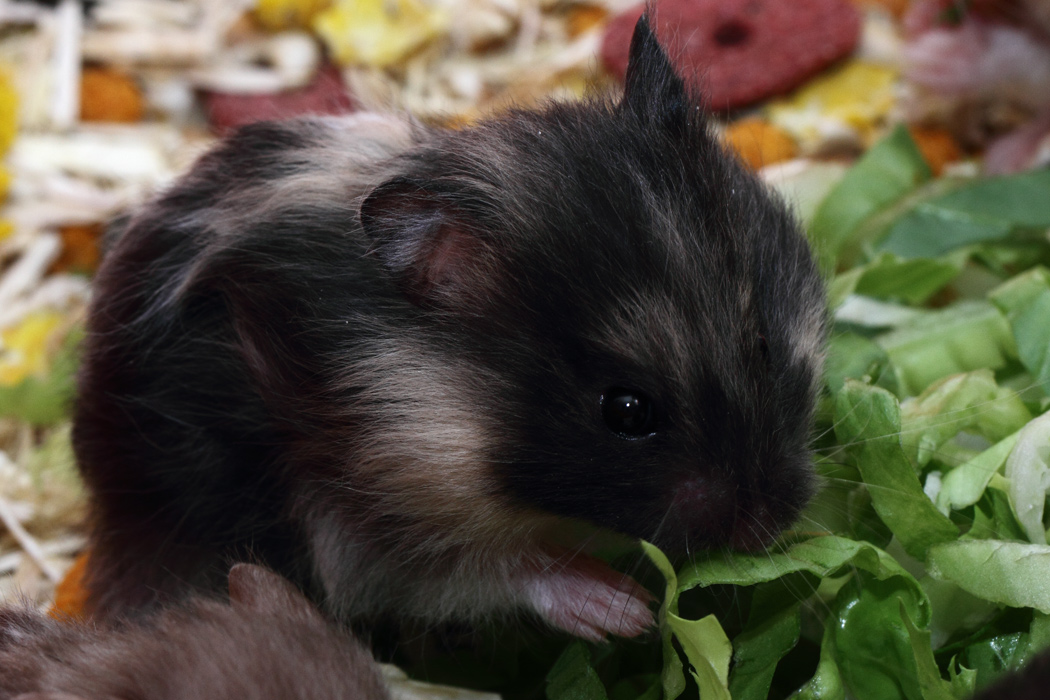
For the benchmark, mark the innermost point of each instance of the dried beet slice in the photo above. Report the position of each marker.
(737, 52)
(325, 94)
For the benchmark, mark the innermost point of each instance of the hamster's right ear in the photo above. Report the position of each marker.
(652, 88)
(260, 590)
(430, 237)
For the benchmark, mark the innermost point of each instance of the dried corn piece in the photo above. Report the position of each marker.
(848, 104)
(278, 15)
(108, 95)
(25, 349)
(8, 110)
(759, 143)
(378, 33)
(8, 129)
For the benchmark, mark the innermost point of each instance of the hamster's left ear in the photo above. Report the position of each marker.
(428, 237)
(652, 88)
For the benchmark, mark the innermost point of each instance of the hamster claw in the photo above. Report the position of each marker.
(589, 599)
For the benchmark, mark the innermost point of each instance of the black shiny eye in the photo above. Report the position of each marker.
(627, 413)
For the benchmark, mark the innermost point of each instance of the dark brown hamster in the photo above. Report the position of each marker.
(390, 361)
(268, 643)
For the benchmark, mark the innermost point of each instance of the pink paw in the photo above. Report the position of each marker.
(586, 597)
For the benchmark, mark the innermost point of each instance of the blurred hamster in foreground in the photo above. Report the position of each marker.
(393, 362)
(268, 643)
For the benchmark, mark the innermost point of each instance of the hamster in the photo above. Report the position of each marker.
(269, 643)
(395, 363)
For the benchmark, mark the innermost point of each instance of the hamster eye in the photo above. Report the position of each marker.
(627, 413)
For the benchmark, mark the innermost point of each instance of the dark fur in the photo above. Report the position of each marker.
(1032, 682)
(270, 644)
(388, 388)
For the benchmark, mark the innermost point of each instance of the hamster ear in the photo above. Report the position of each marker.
(652, 88)
(257, 589)
(427, 238)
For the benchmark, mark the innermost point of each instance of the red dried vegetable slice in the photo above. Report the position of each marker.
(325, 94)
(737, 52)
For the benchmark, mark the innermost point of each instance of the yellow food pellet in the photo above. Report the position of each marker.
(377, 33)
(937, 146)
(108, 95)
(24, 348)
(8, 111)
(277, 15)
(855, 97)
(759, 143)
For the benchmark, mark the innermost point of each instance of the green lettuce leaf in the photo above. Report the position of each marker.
(1010, 573)
(772, 631)
(970, 402)
(912, 280)
(573, 677)
(1025, 300)
(984, 210)
(1028, 471)
(964, 485)
(889, 170)
(704, 642)
(868, 422)
(963, 337)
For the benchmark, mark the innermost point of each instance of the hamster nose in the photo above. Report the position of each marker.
(754, 528)
(703, 509)
(708, 512)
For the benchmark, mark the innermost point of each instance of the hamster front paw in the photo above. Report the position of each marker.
(587, 598)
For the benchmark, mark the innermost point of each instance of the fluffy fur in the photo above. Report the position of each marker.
(269, 644)
(373, 355)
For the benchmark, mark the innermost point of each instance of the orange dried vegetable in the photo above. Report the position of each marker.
(937, 146)
(759, 143)
(583, 18)
(896, 8)
(107, 95)
(80, 248)
(70, 595)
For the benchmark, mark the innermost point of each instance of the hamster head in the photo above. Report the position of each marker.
(652, 312)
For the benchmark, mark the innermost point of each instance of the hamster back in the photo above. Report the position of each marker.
(391, 361)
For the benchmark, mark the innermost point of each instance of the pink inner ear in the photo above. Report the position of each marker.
(449, 257)
(454, 267)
